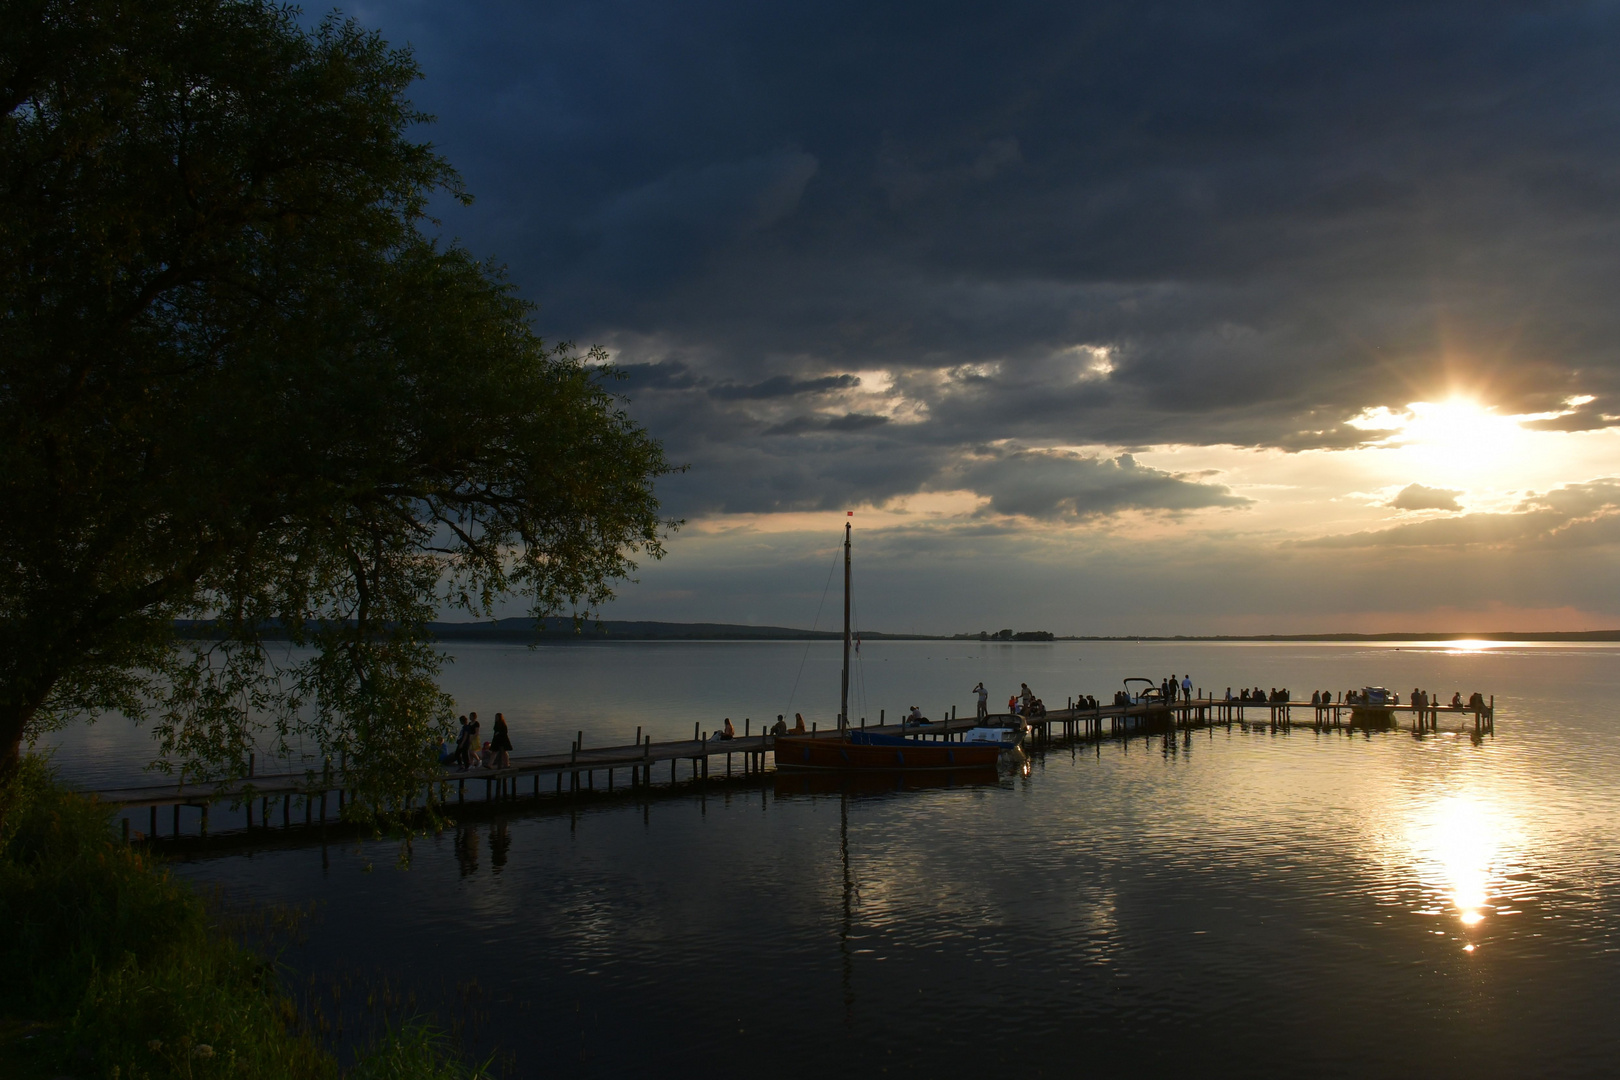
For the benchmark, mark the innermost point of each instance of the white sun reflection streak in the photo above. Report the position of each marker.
(1459, 844)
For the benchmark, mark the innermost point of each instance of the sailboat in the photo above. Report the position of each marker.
(849, 748)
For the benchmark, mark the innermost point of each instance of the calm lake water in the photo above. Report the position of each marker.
(1227, 902)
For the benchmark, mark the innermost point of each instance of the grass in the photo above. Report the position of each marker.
(110, 967)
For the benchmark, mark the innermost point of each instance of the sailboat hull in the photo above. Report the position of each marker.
(836, 753)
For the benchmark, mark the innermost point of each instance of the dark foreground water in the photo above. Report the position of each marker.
(1232, 902)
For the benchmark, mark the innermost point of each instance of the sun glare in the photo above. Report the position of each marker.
(1457, 442)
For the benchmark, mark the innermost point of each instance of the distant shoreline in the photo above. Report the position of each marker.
(562, 630)
(625, 630)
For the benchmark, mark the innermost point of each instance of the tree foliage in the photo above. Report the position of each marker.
(239, 382)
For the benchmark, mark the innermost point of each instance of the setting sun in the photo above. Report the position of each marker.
(1456, 442)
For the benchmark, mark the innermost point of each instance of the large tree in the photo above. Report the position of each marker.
(239, 383)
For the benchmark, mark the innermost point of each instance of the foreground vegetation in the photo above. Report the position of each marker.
(113, 968)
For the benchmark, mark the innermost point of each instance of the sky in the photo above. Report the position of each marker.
(1114, 318)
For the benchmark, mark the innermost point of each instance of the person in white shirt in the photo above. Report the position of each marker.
(1186, 688)
(984, 701)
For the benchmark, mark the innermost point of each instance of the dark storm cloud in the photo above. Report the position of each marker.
(1268, 216)
(782, 386)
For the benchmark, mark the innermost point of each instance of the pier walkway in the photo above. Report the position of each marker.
(642, 763)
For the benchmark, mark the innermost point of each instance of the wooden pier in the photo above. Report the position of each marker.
(641, 764)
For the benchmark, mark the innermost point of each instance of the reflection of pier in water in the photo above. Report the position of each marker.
(307, 798)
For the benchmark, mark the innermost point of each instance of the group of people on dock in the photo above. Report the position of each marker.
(1261, 697)
(781, 727)
(469, 752)
(1025, 705)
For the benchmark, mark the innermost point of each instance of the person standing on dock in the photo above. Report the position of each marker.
(1186, 688)
(500, 744)
(463, 740)
(984, 701)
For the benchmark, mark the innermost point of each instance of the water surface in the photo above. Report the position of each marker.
(1229, 902)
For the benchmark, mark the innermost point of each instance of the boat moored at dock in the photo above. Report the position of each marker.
(849, 748)
(872, 750)
(1373, 708)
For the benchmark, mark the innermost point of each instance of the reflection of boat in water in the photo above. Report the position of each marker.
(851, 749)
(879, 781)
(1371, 708)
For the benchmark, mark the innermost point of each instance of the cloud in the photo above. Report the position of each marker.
(783, 386)
(1418, 497)
(1492, 529)
(1037, 227)
(846, 422)
(1573, 515)
(1056, 484)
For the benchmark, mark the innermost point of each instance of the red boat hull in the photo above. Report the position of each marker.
(804, 752)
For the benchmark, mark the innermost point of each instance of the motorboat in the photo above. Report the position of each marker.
(1372, 708)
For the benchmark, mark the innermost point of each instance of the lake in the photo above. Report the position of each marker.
(1224, 902)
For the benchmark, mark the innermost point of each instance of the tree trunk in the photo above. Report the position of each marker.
(14, 719)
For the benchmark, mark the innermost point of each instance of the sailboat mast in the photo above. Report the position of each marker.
(843, 696)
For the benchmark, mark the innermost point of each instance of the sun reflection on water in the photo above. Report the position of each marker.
(1459, 842)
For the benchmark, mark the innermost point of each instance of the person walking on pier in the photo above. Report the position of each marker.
(463, 742)
(984, 701)
(1186, 688)
(500, 745)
